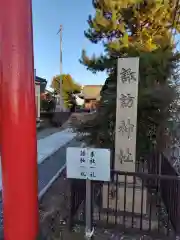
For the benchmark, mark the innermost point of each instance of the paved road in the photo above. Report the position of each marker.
(48, 169)
(52, 164)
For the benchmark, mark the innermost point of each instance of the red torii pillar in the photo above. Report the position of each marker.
(18, 126)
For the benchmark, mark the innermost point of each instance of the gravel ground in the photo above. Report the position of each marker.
(54, 208)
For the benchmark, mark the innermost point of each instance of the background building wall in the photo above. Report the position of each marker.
(38, 100)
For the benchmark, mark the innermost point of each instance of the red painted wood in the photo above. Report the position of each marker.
(19, 146)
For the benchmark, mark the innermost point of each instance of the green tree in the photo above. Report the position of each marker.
(132, 28)
(69, 86)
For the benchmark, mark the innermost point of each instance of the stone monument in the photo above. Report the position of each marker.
(125, 139)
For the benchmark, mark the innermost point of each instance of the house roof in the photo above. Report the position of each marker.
(37, 83)
(91, 91)
(39, 79)
(42, 82)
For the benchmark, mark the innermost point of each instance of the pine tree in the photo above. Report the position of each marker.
(131, 28)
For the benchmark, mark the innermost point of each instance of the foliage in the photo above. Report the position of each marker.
(134, 28)
(44, 105)
(48, 105)
(69, 86)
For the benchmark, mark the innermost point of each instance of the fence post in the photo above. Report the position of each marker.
(178, 213)
(92, 206)
(112, 162)
(88, 229)
(71, 205)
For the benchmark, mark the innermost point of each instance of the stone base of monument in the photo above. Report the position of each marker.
(130, 190)
(127, 197)
(125, 167)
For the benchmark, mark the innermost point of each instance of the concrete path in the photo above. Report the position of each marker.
(49, 145)
(46, 132)
(50, 167)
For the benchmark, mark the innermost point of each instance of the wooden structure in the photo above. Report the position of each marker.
(18, 130)
(91, 95)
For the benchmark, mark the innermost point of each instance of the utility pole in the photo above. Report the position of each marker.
(60, 84)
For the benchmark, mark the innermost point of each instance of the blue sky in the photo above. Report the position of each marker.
(73, 15)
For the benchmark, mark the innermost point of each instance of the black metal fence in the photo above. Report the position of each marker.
(170, 189)
(78, 195)
(158, 164)
(129, 204)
